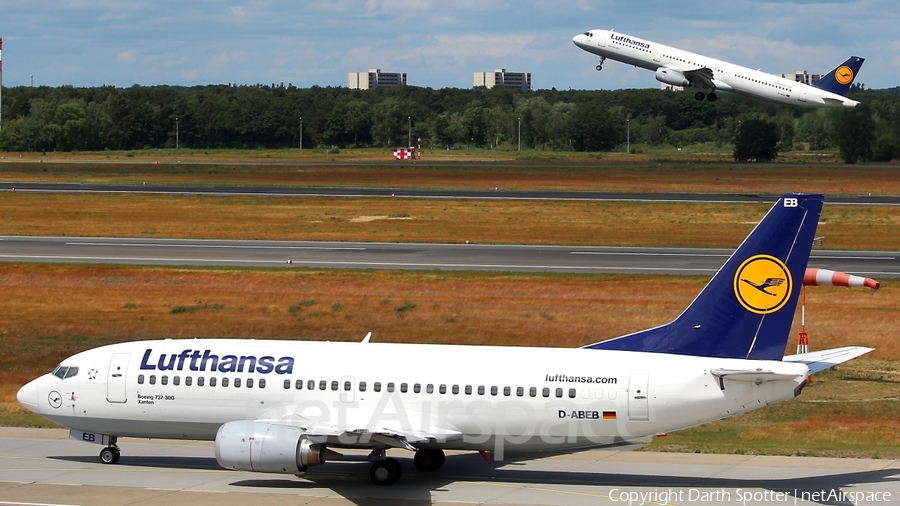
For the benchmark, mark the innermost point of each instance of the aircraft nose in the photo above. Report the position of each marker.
(28, 396)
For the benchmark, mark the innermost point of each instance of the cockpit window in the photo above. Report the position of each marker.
(589, 34)
(63, 372)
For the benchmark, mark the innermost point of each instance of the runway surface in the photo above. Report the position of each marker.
(685, 261)
(289, 191)
(40, 466)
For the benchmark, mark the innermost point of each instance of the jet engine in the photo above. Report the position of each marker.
(267, 448)
(672, 77)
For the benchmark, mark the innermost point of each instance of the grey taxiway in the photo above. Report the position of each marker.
(42, 466)
(365, 255)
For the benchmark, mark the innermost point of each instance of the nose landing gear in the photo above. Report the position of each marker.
(600, 66)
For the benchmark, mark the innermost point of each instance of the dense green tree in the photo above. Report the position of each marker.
(855, 133)
(757, 140)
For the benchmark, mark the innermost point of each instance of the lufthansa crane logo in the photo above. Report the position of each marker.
(763, 284)
(844, 74)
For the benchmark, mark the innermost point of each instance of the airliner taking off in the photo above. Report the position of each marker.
(282, 406)
(709, 75)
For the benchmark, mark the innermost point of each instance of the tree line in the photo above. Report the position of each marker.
(276, 116)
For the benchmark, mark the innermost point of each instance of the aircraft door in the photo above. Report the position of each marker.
(655, 56)
(115, 381)
(638, 403)
(348, 387)
(802, 96)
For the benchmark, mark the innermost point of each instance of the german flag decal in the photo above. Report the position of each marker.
(609, 415)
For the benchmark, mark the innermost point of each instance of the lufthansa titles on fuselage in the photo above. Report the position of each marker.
(196, 360)
(624, 39)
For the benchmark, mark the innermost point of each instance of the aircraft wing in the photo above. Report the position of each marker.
(821, 360)
(694, 75)
(363, 437)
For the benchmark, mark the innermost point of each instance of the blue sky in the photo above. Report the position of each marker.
(438, 43)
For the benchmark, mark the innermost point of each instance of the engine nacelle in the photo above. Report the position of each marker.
(672, 77)
(266, 448)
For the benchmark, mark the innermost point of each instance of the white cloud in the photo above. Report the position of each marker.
(127, 57)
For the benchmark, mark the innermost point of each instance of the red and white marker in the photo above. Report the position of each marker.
(824, 277)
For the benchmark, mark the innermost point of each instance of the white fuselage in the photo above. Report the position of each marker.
(726, 76)
(475, 396)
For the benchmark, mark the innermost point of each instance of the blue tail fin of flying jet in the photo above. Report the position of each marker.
(839, 80)
(746, 309)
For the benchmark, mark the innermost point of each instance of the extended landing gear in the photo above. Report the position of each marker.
(600, 66)
(700, 96)
(110, 454)
(429, 460)
(385, 471)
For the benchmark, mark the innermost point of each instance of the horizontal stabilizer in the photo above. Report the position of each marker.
(821, 360)
(753, 375)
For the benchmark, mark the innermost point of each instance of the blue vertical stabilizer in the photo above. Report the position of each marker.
(841, 78)
(746, 309)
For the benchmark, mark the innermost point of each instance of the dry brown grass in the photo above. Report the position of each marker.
(453, 221)
(593, 175)
(51, 312)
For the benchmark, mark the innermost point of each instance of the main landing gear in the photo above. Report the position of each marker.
(600, 66)
(429, 460)
(110, 454)
(700, 96)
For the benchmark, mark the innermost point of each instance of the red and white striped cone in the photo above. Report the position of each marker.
(824, 277)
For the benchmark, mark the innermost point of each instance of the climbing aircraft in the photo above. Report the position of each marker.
(282, 406)
(707, 75)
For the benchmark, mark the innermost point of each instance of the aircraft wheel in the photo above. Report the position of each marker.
(109, 455)
(711, 97)
(429, 460)
(385, 472)
(599, 68)
(699, 95)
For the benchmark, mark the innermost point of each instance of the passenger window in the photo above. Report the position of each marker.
(237, 382)
(377, 386)
(140, 379)
(176, 380)
(493, 390)
(310, 385)
(532, 392)
(347, 386)
(200, 381)
(164, 380)
(429, 389)
(287, 384)
(571, 393)
(262, 383)
(480, 389)
(323, 385)
(520, 391)
(224, 382)
(188, 381)
(390, 387)
(403, 388)
(334, 386)
(545, 392)
(442, 389)
(212, 381)
(468, 389)
(298, 384)
(455, 389)
(417, 388)
(152, 379)
(507, 391)
(559, 392)
(362, 386)
(249, 382)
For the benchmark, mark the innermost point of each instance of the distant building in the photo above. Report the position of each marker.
(374, 78)
(801, 76)
(500, 77)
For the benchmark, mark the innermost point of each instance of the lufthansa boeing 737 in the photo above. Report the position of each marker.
(282, 406)
(709, 75)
